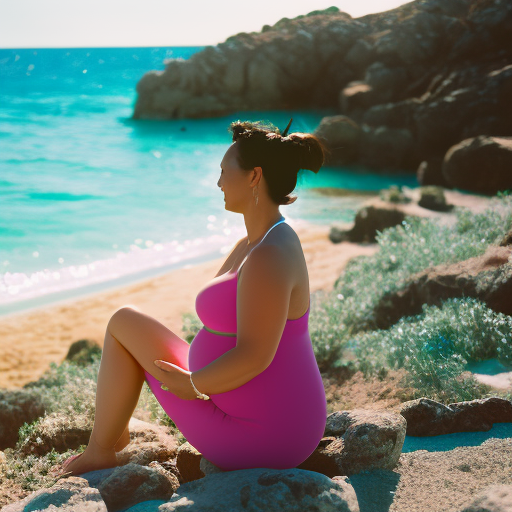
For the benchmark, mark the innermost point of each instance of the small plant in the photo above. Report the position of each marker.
(394, 194)
(433, 198)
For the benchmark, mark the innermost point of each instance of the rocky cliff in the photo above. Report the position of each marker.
(408, 83)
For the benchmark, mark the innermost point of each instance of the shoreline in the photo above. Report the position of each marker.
(31, 339)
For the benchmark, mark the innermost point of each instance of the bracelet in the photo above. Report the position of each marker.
(200, 395)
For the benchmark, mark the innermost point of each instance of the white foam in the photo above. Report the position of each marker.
(18, 286)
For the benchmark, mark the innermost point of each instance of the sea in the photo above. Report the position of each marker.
(91, 198)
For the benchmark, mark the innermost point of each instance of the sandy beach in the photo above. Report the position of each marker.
(30, 341)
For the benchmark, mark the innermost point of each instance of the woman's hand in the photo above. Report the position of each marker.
(176, 379)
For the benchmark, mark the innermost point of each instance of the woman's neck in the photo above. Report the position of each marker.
(254, 233)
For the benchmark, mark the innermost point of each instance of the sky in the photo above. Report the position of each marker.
(116, 23)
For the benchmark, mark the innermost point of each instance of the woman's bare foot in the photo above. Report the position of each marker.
(92, 459)
(123, 441)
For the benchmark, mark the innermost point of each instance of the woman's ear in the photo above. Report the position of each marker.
(259, 173)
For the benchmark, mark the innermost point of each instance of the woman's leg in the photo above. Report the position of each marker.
(120, 380)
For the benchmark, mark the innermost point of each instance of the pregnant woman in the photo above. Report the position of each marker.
(247, 392)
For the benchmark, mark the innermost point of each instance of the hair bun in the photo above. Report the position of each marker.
(281, 157)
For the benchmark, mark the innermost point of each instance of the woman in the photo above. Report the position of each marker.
(247, 392)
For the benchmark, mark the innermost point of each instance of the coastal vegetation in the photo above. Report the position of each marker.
(436, 346)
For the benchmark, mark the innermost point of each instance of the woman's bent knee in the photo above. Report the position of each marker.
(121, 316)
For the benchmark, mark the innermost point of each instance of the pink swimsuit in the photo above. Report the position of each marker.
(276, 419)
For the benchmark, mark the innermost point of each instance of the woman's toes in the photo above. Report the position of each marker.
(61, 469)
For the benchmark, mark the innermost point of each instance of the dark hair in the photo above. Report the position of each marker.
(261, 144)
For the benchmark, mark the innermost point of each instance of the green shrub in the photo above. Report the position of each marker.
(31, 473)
(436, 346)
(69, 388)
(394, 194)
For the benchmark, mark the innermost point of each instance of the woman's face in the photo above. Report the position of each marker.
(234, 181)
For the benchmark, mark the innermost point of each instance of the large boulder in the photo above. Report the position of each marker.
(128, 485)
(392, 115)
(358, 440)
(369, 220)
(356, 97)
(426, 417)
(82, 352)
(67, 495)
(387, 148)
(341, 136)
(487, 278)
(16, 408)
(385, 81)
(430, 172)
(265, 490)
(481, 164)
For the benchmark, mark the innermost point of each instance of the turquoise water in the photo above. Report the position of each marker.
(88, 195)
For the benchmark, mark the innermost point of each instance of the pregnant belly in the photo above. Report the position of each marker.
(206, 347)
(290, 387)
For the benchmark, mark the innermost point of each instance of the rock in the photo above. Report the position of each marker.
(59, 432)
(67, 495)
(433, 198)
(387, 148)
(188, 461)
(465, 103)
(265, 490)
(427, 417)
(356, 96)
(480, 164)
(422, 37)
(394, 194)
(341, 136)
(128, 485)
(16, 408)
(368, 221)
(487, 278)
(494, 498)
(360, 55)
(209, 468)
(392, 115)
(82, 352)
(385, 81)
(358, 440)
(430, 172)
(148, 442)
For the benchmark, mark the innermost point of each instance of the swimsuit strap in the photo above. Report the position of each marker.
(279, 222)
